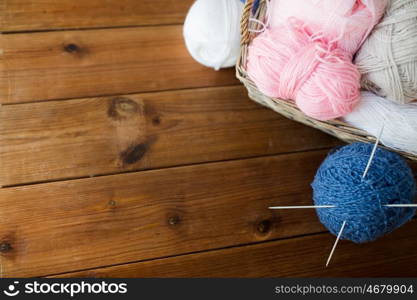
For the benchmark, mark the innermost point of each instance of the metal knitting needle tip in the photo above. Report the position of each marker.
(335, 243)
(302, 207)
(401, 205)
(373, 152)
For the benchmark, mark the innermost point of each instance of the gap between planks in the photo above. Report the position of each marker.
(165, 168)
(65, 274)
(32, 15)
(272, 258)
(168, 128)
(106, 221)
(80, 63)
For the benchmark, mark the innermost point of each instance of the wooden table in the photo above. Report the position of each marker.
(122, 157)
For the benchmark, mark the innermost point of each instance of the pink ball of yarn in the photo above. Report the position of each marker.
(290, 62)
(309, 61)
(348, 21)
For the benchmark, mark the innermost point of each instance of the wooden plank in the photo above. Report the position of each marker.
(72, 225)
(392, 256)
(23, 15)
(75, 64)
(78, 138)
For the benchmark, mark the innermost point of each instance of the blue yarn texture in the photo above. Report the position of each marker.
(360, 202)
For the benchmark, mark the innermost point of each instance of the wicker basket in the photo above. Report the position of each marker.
(336, 128)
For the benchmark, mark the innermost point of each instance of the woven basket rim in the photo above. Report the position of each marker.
(336, 128)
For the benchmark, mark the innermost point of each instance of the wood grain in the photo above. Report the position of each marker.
(87, 63)
(78, 138)
(391, 256)
(73, 225)
(24, 15)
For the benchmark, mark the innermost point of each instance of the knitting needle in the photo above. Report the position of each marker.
(369, 164)
(335, 243)
(301, 207)
(401, 205)
(373, 152)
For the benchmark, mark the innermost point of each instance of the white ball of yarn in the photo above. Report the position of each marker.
(399, 121)
(212, 32)
(388, 58)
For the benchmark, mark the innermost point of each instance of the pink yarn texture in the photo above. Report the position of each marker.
(347, 21)
(305, 54)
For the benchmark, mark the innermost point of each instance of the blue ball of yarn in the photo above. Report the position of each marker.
(361, 201)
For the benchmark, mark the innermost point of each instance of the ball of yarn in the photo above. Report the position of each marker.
(212, 32)
(361, 201)
(347, 21)
(306, 53)
(398, 120)
(288, 62)
(388, 58)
